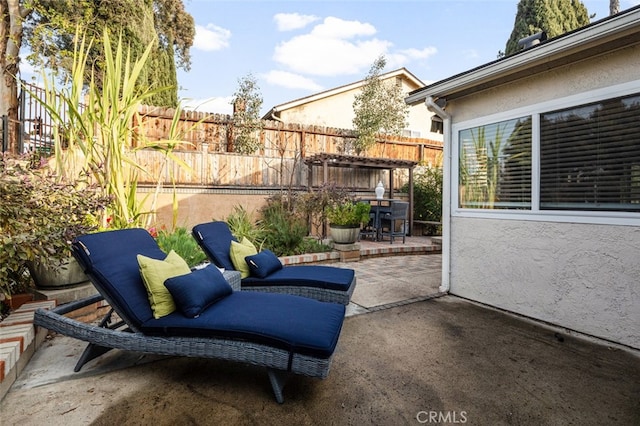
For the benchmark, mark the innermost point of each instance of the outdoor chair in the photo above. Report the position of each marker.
(284, 333)
(396, 216)
(323, 283)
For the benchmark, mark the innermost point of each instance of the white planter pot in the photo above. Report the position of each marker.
(344, 234)
(67, 274)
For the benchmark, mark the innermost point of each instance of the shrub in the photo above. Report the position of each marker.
(181, 241)
(242, 225)
(283, 229)
(348, 213)
(427, 194)
(39, 216)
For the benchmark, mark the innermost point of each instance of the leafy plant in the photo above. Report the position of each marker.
(242, 225)
(247, 123)
(312, 245)
(284, 230)
(39, 215)
(181, 241)
(97, 142)
(427, 194)
(348, 213)
(313, 205)
(378, 108)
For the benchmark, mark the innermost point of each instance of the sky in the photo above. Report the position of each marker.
(297, 48)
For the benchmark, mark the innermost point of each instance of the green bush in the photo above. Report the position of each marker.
(183, 243)
(39, 215)
(314, 205)
(427, 194)
(283, 230)
(242, 225)
(348, 213)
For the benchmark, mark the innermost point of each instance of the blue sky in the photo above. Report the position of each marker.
(297, 48)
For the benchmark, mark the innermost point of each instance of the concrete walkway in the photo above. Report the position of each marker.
(404, 357)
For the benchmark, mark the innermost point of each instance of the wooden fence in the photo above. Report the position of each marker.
(207, 148)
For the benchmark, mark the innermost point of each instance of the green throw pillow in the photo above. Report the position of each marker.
(154, 273)
(240, 250)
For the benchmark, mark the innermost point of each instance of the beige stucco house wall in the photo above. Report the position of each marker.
(576, 270)
(334, 107)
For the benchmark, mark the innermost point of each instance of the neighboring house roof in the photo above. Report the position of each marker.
(402, 72)
(603, 36)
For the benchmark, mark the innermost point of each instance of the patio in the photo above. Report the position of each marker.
(404, 357)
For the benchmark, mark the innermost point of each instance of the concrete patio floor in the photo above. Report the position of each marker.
(404, 357)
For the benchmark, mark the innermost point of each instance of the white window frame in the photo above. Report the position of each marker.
(535, 214)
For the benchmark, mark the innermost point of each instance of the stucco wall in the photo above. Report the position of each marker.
(581, 276)
(607, 70)
(199, 206)
(585, 277)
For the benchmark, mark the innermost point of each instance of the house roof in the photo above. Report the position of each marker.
(341, 89)
(603, 36)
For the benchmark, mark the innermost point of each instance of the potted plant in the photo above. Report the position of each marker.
(346, 218)
(39, 217)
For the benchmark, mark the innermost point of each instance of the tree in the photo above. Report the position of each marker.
(50, 30)
(614, 7)
(12, 14)
(554, 17)
(378, 108)
(246, 123)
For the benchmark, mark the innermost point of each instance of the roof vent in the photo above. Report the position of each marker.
(532, 40)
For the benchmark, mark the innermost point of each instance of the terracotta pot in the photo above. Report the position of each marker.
(18, 300)
(344, 234)
(68, 274)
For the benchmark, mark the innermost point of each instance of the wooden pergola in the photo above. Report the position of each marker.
(355, 162)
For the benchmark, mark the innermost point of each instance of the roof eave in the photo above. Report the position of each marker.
(554, 52)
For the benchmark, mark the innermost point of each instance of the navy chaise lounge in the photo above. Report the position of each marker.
(284, 333)
(323, 283)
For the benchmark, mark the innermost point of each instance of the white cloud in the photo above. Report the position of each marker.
(290, 80)
(402, 57)
(219, 105)
(337, 28)
(293, 21)
(211, 38)
(334, 47)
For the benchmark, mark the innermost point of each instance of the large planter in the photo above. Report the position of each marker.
(68, 274)
(344, 234)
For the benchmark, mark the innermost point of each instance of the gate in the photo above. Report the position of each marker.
(34, 127)
(36, 123)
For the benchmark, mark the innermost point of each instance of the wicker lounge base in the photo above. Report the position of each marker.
(103, 338)
(285, 334)
(319, 282)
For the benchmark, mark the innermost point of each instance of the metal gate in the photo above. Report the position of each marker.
(36, 123)
(34, 128)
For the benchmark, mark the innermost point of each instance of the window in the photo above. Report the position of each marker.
(437, 125)
(590, 156)
(573, 159)
(495, 165)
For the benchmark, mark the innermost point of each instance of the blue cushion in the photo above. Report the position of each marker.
(319, 276)
(263, 263)
(110, 259)
(195, 292)
(215, 239)
(293, 323)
